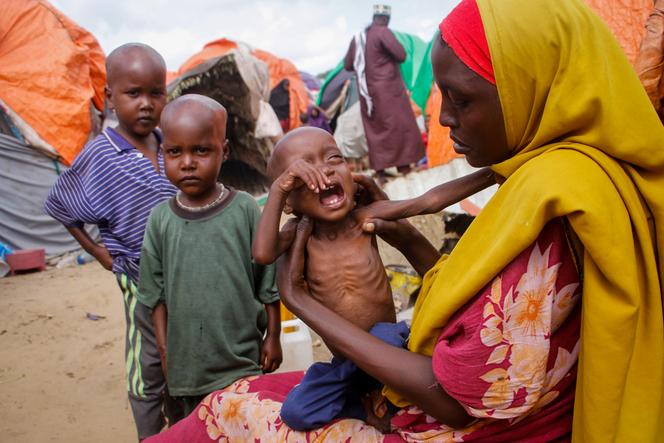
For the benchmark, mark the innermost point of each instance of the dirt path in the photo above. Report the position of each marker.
(62, 374)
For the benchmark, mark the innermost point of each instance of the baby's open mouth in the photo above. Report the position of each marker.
(332, 195)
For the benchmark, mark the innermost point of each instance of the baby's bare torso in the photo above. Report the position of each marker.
(346, 274)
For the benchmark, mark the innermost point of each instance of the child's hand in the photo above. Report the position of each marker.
(303, 173)
(271, 353)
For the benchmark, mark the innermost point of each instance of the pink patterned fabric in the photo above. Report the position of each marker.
(509, 357)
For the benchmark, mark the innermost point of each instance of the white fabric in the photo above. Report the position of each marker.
(359, 65)
(267, 124)
(349, 133)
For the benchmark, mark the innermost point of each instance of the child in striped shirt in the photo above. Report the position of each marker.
(114, 183)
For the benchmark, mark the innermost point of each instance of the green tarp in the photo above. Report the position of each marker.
(415, 70)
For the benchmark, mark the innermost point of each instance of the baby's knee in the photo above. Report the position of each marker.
(295, 416)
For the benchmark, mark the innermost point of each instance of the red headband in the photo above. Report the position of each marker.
(463, 31)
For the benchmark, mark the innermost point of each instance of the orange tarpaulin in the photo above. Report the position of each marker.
(626, 19)
(50, 71)
(278, 68)
(439, 149)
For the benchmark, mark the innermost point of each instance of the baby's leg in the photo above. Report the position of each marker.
(322, 396)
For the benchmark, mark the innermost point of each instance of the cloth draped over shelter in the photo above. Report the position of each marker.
(279, 69)
(52, 74)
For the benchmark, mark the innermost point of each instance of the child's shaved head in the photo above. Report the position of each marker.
(123, 56)
(199, 107)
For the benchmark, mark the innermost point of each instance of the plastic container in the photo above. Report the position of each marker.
(26, 260)
(73, 260)
(296, 346)
(84, 258)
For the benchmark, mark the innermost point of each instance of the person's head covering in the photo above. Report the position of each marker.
(587, 146)
(385, 10)
(463, 31)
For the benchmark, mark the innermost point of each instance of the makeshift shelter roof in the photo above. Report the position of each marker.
(52, 70)
(310, 81)
(279, 69)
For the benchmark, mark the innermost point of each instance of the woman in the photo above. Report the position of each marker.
(562, 264)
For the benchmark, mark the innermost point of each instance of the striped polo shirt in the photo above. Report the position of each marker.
(111, 185)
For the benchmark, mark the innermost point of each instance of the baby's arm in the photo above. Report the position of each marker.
(269, 243)
(432, 201)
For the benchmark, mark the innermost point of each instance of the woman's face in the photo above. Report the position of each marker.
(470, 108)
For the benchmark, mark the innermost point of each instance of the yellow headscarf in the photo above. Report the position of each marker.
(588, 146)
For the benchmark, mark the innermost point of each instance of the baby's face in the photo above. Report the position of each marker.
(319, 148)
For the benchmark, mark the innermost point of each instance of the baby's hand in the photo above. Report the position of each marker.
(303, 173)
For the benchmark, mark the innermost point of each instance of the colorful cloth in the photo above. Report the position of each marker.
(199, 265)
(519, 386)
(464, 32)
(111, 185)
(587, 146)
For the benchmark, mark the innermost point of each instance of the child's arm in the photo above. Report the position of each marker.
(271, 350)
(432, 201)
(89, 245)
(160, 319)
(269, 243)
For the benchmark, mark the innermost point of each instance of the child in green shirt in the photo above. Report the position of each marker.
(211, 304)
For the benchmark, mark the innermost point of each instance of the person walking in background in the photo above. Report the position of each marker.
(389, 123)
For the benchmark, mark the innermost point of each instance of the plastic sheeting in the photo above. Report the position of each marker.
(26, 177)
(278, 68)
(51, 71)
(626, 19)
(650, 62)
(349, 134)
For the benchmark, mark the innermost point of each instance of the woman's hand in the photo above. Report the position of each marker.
(290, 269)
(400, 234)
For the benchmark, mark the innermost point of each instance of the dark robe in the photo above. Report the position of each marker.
(392, 133)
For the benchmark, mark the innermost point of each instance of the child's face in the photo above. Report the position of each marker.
(195, 147)
(319, 148)
(137, 94)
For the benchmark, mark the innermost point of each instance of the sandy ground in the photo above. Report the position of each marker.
(62, 374)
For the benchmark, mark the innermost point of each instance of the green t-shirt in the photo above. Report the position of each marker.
(200, 267)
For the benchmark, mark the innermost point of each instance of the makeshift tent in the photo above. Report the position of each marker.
(241, 83)
(650, 61)
(626, 19)
(26, 177)
(279, 69)
(312, 83)
(52, 74)
(52, 80)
